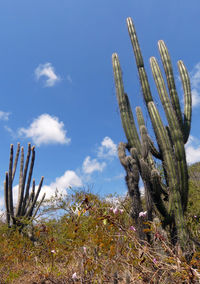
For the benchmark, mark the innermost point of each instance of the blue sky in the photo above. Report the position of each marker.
(57, 88)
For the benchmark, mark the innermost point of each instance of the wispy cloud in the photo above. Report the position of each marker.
(107, 149)
(69, 79)
(45, 129)
(120, 176)
(91, 165)
(192, 150)
(47, 70)
(195, 85)
(4, 115)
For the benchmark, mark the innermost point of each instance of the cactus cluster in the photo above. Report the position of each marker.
(26, 207)
(167, 198)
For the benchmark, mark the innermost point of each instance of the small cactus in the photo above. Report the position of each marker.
(26, 207)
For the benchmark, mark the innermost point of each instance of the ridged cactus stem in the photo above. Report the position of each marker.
(38, 206)
(29, 180)
(124, 106)
(175, 130)
(139, 62)
(6, 200)
(15, 162)
(165, 145)
(10, 181)
(29, 212)
(156, 182)
(187, 100)
(20, 193)
(170, 81)
(152, 148)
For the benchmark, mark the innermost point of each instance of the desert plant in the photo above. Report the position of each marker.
(27, 206)
(169, 198)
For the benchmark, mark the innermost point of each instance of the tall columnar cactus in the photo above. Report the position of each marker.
(169, 197)
(26, 207)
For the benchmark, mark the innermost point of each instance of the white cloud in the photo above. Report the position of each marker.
(4, 115)
(61, 184)
(107, 149)
(195, 84)
(47, 70)
(195, 98)
(89, 166)
(45, 129)
(1, 202)
(192, 150)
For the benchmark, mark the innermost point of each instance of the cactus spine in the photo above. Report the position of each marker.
(26, 204)
(170, 198)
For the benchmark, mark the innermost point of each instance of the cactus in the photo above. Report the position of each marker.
(26, 207)
(169, 197)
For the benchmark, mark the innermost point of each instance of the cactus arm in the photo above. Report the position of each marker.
(16, 160)
(139, 61)
(143, 133)
(165, 145)
(38, 206)
(33, 190)
(29, 180)
(128, 163)
(31, 197)
(175, 132)
(145, 142)
(135, 43)
(10, 194)
(153, 150)
(170, 81)
(187, 99)
(124, 106)
(20, 193)
(26, 166)
(31, 208)
(28, 203)
(122, 154)
(6, 200)
(156, 181)
(132, 125)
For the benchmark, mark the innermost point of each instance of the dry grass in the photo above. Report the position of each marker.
(96, 246)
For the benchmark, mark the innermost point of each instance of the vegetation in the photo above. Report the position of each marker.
(166, 199)
(95, 241)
